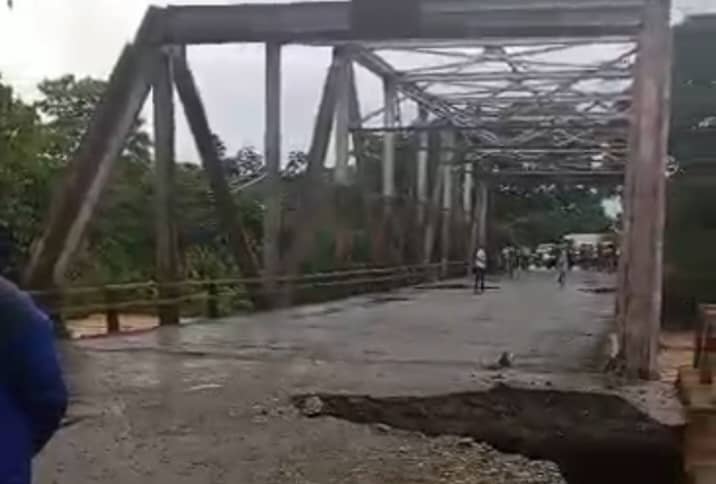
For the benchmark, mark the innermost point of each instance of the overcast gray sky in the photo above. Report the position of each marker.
(48, 38)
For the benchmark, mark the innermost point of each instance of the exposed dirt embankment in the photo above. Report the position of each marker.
(595, 439)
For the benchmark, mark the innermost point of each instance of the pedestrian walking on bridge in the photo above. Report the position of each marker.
(562, 266)
(480, 269)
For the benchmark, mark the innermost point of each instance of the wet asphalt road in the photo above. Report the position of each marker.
(210, 402)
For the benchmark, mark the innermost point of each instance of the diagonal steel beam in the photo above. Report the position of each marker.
(573, 74)
(434, 104)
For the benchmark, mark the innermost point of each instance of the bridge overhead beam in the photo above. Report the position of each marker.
(429, 19)
(380, 67)
(577, 74)
(612, 177)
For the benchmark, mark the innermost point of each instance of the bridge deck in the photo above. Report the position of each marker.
(210, 402)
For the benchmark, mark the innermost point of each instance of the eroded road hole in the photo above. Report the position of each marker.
(595, 439)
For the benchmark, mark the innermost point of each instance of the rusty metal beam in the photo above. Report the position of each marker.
(641, 265)
(91, 165)
(167, 243)
(615, 176)
(90, 168)
(556, 75)
(225, 205)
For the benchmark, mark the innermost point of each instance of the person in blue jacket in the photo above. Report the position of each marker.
(33, 395)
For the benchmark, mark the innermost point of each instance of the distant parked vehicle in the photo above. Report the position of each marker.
(546, 255)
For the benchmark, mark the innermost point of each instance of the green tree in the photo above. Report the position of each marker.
(25, 172)
(531, 214)
(68, 104)
(119, 243)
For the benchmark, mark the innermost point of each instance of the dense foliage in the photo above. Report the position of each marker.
(36, 143)
(533, 214)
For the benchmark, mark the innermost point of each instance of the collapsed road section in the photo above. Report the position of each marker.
(595, 439)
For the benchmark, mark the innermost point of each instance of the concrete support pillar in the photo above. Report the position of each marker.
(641, 266)
(272, 155)
(342, 115)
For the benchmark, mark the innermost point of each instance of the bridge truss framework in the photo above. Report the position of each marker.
(540, 90)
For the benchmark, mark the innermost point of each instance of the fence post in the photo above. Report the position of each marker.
(52, 303)
(212, 301)
(111, 312)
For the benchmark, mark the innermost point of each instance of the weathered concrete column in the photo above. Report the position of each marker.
(639, 300)
(342, 115)
(167, 248)
(421, 188)
(272, 155)
(447, 157)
(389, 118)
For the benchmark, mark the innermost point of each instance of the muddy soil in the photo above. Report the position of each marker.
(595, 439)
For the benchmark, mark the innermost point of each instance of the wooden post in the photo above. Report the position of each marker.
(167, 250)
(212, 300)
(227, 210)
(641, 281)
(342, 115)
(111, 314)
(422, 168)
(390, 91)
(272, 149)
(446, 157)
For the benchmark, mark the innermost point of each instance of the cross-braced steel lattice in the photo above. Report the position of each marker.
(530, 89)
